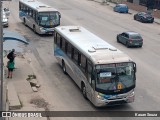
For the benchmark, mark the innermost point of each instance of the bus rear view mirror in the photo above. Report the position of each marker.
(135, 68)
(59, 15)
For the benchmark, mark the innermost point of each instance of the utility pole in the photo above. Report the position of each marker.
(1, 59)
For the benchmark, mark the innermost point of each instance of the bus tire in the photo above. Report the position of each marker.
(83, 89)
(24, 21)
(34, 28)
(64, 67)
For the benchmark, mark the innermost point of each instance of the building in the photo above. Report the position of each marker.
(155, 4)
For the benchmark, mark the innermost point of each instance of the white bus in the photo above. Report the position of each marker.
(105, 74)
(38, 16)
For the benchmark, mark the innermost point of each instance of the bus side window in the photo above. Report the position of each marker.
(69, 50)
(23, 8)
(66, 46)
(37, 17)
(27, 11)
(79, 59)
(72, 52)
(58, 40)
(34, 15)
(20, 6)
(89, 71)
(83, 63)
(75, 56)
(63, 44)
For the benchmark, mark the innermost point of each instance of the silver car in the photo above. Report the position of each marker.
(5, 20)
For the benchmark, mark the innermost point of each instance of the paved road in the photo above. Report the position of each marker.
(60, 90)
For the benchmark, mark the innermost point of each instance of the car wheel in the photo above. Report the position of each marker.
(64, 67)
(134, 17)
(152, 21)
(83, 89)
(118, 40)
(127, 44)
(140, 46)
(141, 20)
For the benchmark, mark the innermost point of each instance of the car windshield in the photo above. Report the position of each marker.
(48, 19)
(123, 5)
(115, 76)
(146, 14)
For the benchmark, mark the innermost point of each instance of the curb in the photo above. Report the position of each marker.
(157, 22)
(13, 99)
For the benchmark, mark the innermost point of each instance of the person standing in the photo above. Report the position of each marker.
(11, 55)
(10, 66)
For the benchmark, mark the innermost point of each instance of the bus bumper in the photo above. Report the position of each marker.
(46, 31)
(115, 100)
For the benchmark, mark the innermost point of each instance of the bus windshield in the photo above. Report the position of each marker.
(48, 19)
(114, 77)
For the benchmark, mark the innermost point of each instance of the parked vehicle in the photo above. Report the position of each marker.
(5, 20)
(130, 39)
(144, 17)
(105, 75)
(121, 8)
(6, 11)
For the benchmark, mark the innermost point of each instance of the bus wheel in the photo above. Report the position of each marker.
(34, 28)
(24, 21)
(83, 89)
(64, 67)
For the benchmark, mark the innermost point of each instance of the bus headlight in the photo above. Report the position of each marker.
(42, 29)
(100, 96)
(131, 94)
(130, 97)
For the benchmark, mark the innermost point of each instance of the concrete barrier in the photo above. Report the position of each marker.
(13, 99)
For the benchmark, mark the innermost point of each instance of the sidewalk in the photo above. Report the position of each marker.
(20, 95)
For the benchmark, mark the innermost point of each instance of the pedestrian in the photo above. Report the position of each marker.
(11, 55)
(10, 66)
